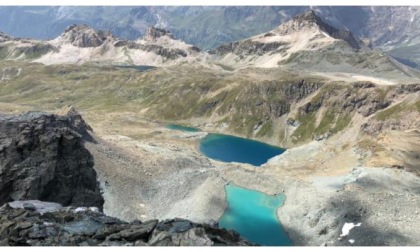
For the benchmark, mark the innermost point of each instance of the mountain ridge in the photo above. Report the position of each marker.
(305, 42)
(80, 43)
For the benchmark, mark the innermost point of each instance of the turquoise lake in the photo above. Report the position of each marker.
(253, 215)
(236, 149)
(182, 128)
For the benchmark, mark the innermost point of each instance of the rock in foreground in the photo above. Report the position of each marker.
(44, 225)
(42, 157)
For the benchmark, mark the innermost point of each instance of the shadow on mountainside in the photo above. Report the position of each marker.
(382, 223)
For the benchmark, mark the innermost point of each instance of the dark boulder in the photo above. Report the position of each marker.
(42, 157)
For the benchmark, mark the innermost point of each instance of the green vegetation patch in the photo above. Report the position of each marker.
(266, 129)
(370, 145)
(391, 112)
(307, 125)
(35, 51)
(291, 58)
(4, 52)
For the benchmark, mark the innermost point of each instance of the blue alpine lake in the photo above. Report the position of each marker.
(182, 128)
(236, 149)
(253, 215)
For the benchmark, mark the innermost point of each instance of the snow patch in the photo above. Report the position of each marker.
(80, 209)
(325, 34)
(347, 227)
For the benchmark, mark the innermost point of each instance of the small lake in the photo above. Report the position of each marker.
(228, 148)
(140, 68)
(253, 215)
(182, 128)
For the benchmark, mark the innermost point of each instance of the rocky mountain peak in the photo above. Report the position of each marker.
(154, 33)
(84, 36)
(308, 16)
(309, 20)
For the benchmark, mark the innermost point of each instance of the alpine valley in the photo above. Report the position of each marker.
(108, 129)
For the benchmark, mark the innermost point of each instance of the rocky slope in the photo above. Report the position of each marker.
(22, 49)
(42, 157)
(36, 223)
(285, 108)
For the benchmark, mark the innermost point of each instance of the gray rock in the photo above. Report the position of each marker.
(42, 207)
(195, 237)
(180, 226)
(29, 206)
(140, 243)
(65, 227)
(213, 223)
(161, 239)
(134, 233)
(43, 157)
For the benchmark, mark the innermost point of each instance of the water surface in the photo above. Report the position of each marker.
(140, 68)
(182, 128)
(253, 215)
(228, 148)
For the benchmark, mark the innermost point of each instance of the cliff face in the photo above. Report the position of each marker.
(42, 157)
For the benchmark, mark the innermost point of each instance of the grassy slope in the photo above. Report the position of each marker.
(180, 93)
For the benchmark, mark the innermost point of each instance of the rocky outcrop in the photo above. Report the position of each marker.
(310, 18)
(364, 103)
(48, 224)
(84, 36)
(249, 47)
(42, 156)
(167, 53)
(405, 120)
(154, 33)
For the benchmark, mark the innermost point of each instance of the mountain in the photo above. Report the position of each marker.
(80, 43)
(204, 26)
(306, 43)
(309, 44)
(211, 26)
(347, 114)
(394, 29)
(305, 32)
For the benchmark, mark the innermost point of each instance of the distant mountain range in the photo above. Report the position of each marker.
(304, 43)
(392, 28)
(208, 26)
